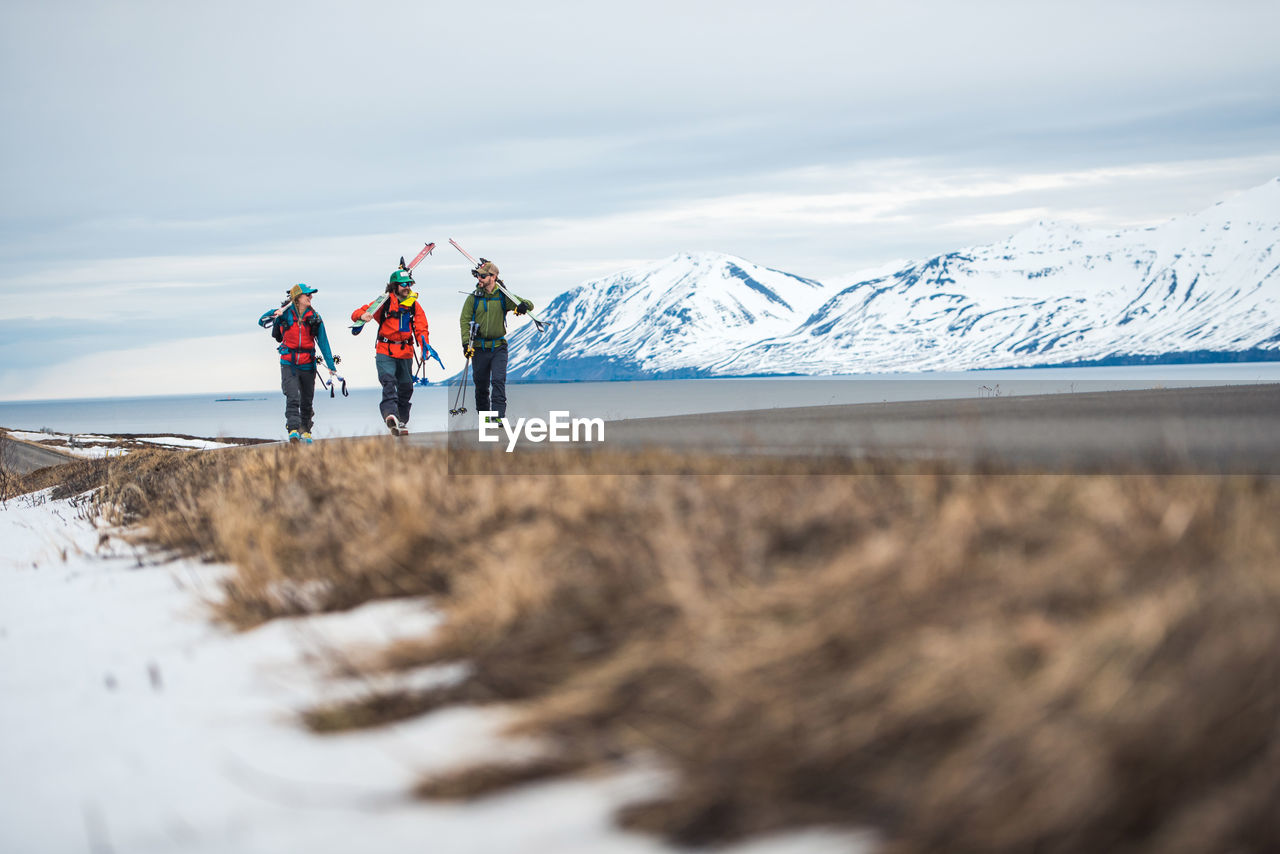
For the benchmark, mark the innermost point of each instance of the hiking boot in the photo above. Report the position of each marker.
(306, 438)
(393, 424)
(294, 438)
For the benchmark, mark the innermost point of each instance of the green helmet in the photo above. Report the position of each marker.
(400, 277)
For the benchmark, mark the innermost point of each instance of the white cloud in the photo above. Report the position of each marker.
(821, 222)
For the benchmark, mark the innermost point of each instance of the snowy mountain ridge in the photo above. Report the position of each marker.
(1196, 288)
(662, 320)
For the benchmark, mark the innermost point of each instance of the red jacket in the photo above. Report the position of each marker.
(300, 341)
(398, 326)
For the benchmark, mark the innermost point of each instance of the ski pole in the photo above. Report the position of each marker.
(420, 365)
(462, 391)
(337, 360)
(466, 369)
(431, 351)
(329, 385)
(425, 351)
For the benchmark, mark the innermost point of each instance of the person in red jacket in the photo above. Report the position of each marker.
(299, 329)
(401, 324)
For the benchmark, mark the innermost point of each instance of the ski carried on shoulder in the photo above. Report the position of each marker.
(358, 326)
(475, 265)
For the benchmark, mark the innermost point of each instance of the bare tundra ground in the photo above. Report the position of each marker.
(963, 660)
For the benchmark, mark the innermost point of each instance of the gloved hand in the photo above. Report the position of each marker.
(468, 351)
(524, 307)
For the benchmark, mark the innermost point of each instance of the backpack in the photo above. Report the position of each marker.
(278, 326)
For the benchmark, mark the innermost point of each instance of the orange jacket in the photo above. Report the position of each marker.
(398, 326)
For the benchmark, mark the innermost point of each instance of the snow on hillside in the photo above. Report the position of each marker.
(1200, 287)
(129, 722)
(662, 320)
(1055, 294)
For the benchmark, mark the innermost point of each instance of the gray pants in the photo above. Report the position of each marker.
(396, 376)
(299, 389)
(489, 368)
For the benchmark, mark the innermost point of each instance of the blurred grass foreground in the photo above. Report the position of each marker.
(963, 661)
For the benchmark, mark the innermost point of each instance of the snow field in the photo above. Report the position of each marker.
(132, 723)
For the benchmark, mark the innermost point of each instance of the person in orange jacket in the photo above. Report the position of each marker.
(401, 324)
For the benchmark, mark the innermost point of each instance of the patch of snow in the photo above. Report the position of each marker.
(130, 722)
(175, 442)
(28, 436)
(94, 446)
(94, 452)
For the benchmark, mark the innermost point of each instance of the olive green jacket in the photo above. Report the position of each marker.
(490, 313)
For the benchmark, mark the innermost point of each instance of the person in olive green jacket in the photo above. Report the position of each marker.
(484, 338)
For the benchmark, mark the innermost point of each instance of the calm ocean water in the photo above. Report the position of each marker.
(261, 414)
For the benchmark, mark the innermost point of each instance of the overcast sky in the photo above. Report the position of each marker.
(168, 170)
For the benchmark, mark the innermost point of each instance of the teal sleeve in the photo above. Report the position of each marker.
(266, 320)
(323, 340)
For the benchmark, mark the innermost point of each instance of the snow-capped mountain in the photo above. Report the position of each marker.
(662, 320)
(1197, 288)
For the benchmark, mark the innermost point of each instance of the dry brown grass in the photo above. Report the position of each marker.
(78, 476)
(967, 662)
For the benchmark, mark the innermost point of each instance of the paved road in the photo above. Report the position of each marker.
(1213, 429)
(24, 457)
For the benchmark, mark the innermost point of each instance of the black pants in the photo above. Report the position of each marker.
(396, 377)
(299, 387)
(489, 368)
